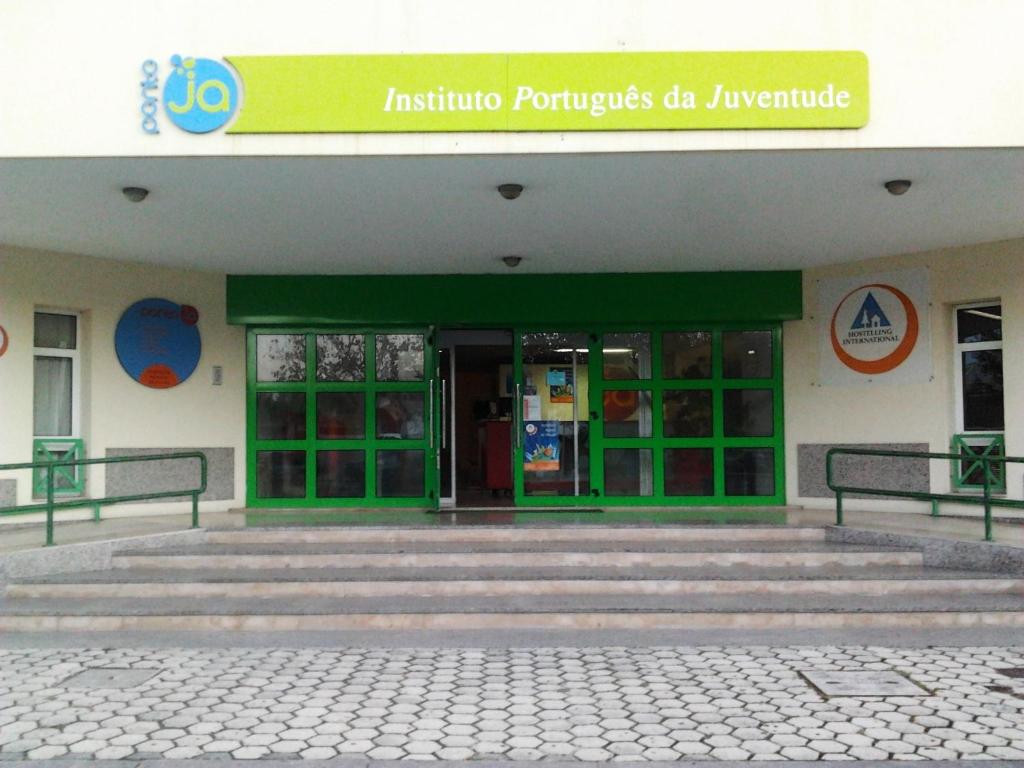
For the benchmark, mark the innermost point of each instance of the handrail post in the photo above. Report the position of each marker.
(202, 486)
(49, 505)
(828, 483)
(986, 466)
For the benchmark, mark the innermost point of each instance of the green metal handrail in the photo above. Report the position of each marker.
(986, 498)
(50, 504)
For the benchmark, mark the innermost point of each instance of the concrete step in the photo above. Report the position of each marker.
(457, 582)
(521, 613)
(490, 555)
(514, 534)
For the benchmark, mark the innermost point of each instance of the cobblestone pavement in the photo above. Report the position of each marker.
(586, 704)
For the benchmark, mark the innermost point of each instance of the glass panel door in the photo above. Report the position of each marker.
(446, 424)
(341, 418)
(688, 417)
(553, 416)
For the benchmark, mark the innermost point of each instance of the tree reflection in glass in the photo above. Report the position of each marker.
(280, 357)
(399, 357)
(340, 357)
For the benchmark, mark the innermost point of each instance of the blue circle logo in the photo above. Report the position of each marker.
(200, 94)
(157, 342)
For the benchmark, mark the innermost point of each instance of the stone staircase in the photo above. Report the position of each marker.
(514, 578)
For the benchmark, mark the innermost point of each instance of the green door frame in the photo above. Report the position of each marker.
(370, 444)
(718, 442)
(657, 442)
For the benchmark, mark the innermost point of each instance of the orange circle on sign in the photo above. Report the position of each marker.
(159, 376)
(894, 358)
(4, 339)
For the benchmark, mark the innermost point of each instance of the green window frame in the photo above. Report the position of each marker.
(718, 442)
(372, 446)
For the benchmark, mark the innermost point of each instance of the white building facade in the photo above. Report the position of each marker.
(692, 283)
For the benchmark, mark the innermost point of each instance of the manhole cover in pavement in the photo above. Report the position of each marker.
(109, 677)
(865, 683)
(1012, 672)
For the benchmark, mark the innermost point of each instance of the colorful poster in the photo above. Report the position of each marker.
(540, 447)
(875, 329)
(531, 407)
(157, 342)
(561, 384)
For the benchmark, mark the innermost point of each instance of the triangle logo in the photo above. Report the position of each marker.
(870, 315)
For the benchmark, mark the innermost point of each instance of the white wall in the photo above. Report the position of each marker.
(118, 411)
(944, 73)
(907, 413)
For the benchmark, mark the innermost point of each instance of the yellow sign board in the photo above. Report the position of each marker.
(552, 92)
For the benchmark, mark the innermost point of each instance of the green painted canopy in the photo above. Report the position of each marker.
(503, 300)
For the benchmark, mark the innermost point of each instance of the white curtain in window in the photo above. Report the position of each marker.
(51, 404)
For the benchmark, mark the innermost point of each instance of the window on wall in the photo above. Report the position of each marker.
(339, 418)
(56, 374)
(979, 367)
(691, 413)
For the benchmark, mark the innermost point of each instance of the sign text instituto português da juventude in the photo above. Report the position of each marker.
(552, 92)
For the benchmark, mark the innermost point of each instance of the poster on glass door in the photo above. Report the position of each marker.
(540, 447)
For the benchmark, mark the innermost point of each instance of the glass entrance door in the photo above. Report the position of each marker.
(446, 424)
(552, 446)
(341, 418)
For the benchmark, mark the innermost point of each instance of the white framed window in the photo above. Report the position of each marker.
(56, 380)
(978, 363)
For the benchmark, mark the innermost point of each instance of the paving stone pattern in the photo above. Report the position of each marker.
(586, 704)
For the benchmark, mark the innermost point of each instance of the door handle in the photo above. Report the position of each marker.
(518, 411)
(431, 411)
(444, 416)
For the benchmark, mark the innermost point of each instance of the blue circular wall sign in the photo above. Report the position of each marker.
(200, 95)
(157, 342)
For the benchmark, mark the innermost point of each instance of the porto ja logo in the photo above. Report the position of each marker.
(200, 94)
(874, 328)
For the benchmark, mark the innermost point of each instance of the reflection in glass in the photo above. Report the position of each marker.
(340, 474)
(627, 413)
(748, 412)
(555, 391)
(55, 331)
(983, 389)
(687, 413)
(749, 472)
(280, 474)
(977, 324)
(52, 396)
(280, 415)
(399, 357)
(340, 357)
(747, 354)
(400, 415)
(689, 472)
(400, 474)
(627, 356)
(686, 355)
(280, 357)
(628, 472)
(340, 415)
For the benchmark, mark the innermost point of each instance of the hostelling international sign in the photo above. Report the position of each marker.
(508, 92)
(875, 329)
